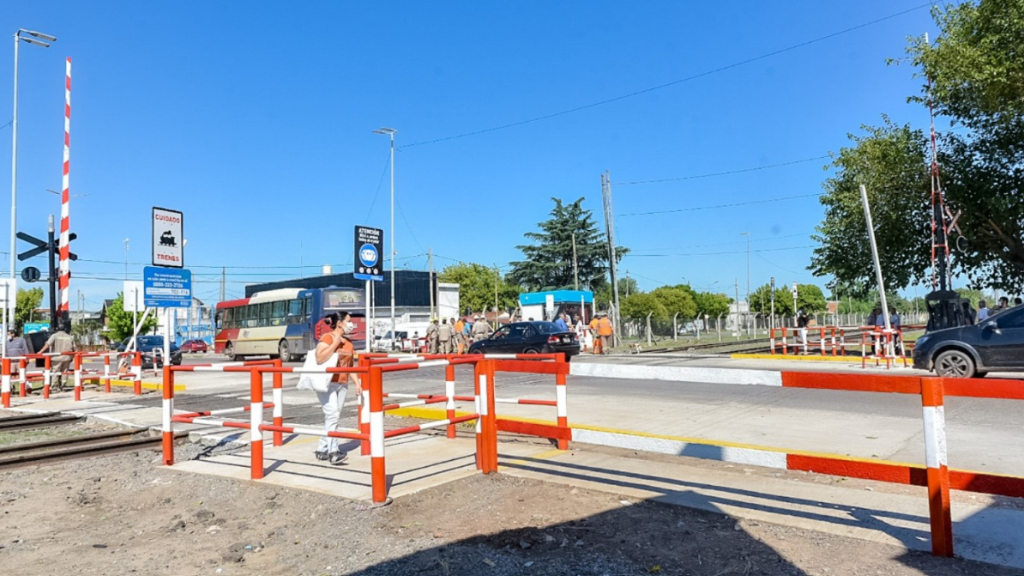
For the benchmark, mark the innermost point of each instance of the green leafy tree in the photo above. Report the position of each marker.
(548, 262)
(978, 86)
(476, 287)
(25, 302)
(676, 300)
(637, 306)
(810, 299)
(626, 286)
(119, 322)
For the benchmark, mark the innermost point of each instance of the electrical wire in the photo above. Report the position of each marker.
(380, 182)
(717, 206)
(631, 255)
(673, 82)
(714, 174)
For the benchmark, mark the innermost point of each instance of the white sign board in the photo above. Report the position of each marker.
(132, 295)
(168, 243)
(8, 293)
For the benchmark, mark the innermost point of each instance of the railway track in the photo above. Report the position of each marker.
(68, 448)
(741, 347)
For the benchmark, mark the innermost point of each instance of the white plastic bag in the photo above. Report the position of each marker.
(317, 382)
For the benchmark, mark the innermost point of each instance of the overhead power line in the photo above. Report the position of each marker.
(717, 206)
(672, 83)
(631, 255)
(727, 173)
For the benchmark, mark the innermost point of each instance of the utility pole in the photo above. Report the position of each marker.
(609, 224)
(430, 281)
(747, 234)
(575, 264)
(627, 282)
(738, 328)
(223, 282)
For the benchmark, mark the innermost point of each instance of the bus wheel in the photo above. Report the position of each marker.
(282, 349)
(229, 351)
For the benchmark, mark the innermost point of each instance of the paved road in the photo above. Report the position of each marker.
(983, 434)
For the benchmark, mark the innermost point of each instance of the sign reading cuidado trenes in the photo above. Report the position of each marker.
(168, 244)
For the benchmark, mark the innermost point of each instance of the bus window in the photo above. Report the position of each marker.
(277, 310)
(307, 308)
(220, 319)
(252, 316)
(264, 314)
(294, 311)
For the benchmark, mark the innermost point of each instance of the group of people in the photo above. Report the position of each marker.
(454, 337)
(984, 311)
(60, 342)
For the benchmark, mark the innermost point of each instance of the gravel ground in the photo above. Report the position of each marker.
(124, 514)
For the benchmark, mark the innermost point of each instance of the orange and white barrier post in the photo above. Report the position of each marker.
(561, 402)
(106, 373)
(479, 382)
(377, 468)
(78, 377)
(449, 391)
(168, 413)
(938, 472)
(771, 340)
(255, 421)
(5, 382)
(491, 420)
(137, 372)
(47, 376)
(785, 349)
(278, 412)
(22, 378)
(364, 412)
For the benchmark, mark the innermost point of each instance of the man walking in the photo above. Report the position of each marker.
(481, 329)
(444, 336)
(605, 329)
(432, 337)
(61, 343)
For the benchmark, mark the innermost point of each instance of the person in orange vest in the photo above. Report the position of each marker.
(605, 329)
(595, 335)
(460, 328)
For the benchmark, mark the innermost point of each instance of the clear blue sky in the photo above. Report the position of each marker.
(256, 121)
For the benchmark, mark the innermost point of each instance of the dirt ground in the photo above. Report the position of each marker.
(125, 514)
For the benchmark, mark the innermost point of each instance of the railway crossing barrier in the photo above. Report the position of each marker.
(372, 369)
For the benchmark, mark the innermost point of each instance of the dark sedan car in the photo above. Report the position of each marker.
(150, 346)
(529, 338)
(996, 344)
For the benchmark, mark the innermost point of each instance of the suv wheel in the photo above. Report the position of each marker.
(954, 364)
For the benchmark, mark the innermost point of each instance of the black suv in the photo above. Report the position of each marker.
(150, 345)
(994, 344)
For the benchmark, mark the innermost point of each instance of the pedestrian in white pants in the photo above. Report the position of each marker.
(332, 401)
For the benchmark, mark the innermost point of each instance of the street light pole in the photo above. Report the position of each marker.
(18, 38)
(747, 234)
(391, 132)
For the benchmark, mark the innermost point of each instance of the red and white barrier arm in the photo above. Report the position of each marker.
(219, 412)
(435, 400)
(429, 425)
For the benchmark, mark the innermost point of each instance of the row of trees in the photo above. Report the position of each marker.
(666, 302)
(978, 89)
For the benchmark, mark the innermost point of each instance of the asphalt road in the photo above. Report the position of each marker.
(983, 434)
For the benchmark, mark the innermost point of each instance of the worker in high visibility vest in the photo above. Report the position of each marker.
(595, 335)
(605, 330)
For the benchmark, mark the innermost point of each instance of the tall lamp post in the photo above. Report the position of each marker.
(747, 234)
(18, 39)
(391, 132)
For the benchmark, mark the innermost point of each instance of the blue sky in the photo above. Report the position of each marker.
(255, 120)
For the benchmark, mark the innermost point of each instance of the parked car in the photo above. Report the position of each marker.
(150, 346)
(529, 338)
(193, 346)
(994, 345)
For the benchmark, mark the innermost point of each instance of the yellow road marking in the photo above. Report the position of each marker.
(808, 358)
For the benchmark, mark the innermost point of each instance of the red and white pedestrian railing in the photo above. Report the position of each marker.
(936, 475)
(127, 367)
(788, 341)
(880, 344)
(371, 433)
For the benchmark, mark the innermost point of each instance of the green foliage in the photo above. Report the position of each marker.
(676, 300)
(978, 84)
(120, 322)
(476, 287)
(603, 295)
(973, 295)
(25, 302)
(548, 263)
(637, 306)
(810, 299)
(864, 306)
(83, 330)
(890, 162)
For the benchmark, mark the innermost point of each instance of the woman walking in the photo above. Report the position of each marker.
(337, 341)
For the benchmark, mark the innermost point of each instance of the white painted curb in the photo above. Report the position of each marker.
(743, 377)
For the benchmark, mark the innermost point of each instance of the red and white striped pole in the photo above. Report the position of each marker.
(364, 408)
(137, 372)
(561, 402)
(377, 469)
(5, 382)
(22, 378)
(938, 473)
(47, 376)
(479, 381)
(449, 391)
(65, 222)
(255, 421)
(106, 373)
(168, 412)
(278, 410)
(78, 377)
